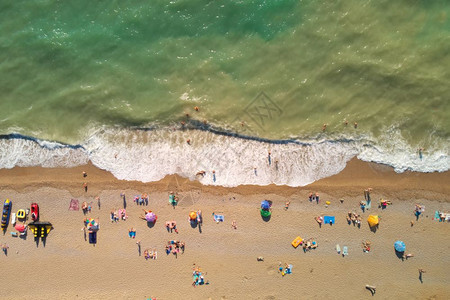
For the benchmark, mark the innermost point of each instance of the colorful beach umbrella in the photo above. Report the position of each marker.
(399, 246)
(265, 205)
(265, 213)
(373, 220)
(150, 217)
(192, 215)
(20, 227)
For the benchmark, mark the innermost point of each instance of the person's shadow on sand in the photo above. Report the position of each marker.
(400, 255)
(150, 224)
(266, 219)
(193, 223)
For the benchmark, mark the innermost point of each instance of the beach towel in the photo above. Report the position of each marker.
(327, 219)
(218, 218)
(345, 251)
(93, 237)
(436, 216)
(74, 204)
(368, 204)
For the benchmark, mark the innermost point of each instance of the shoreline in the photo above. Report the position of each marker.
(356, 176)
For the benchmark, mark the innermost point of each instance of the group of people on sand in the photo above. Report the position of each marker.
(118, 214)
(171, 226)
(150, 254)
(314, 197)
(86, 207)
(309, 244)
(366, 246)
(354, 218)
(197, 277)
(174, 247)
(132, 232)
(418, 210)
(286, 270)
(141, 200)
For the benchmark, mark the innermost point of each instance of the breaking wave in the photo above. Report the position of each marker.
(151, 154)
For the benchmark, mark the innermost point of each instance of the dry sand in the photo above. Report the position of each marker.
(68, 267)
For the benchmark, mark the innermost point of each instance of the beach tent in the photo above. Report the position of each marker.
(328, 219)
(373, 220)
(193, 215)
(151, 217)
(265, 205)
(399, 246)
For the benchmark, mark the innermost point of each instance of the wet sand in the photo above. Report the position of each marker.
(67, 266)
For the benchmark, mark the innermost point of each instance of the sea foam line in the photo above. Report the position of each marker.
(149, 154)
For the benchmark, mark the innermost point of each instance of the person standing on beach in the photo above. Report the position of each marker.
(421, 271)
(317, 198)
(256, 172)
(85, 186)
(214, 175)
(368, 194)
(5, 248)
(311, 197)
(270, 159)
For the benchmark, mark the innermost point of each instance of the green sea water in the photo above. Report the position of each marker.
(68, 68)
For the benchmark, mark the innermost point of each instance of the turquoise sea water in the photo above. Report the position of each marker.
(101, 75)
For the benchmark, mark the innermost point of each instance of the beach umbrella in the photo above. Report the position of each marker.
(399, 246)
(265, 213)
(373, 220)
(20, 227)
(192, 215)
(265, 205)
(150, 217)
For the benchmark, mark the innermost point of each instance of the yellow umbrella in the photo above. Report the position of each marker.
(373, 220)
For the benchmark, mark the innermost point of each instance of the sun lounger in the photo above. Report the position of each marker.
(345, 251)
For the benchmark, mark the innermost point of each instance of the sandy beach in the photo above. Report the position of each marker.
(66, 266)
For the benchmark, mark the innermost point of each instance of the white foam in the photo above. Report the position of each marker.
(151, 155)
(27, 153)
(392, 149)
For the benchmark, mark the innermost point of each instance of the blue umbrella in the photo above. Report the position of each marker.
(265, 204)
(399, 246)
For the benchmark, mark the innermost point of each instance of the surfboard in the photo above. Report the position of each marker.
(13, 218)
(338, 249)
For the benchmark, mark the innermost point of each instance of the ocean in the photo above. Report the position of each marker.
(116, 84)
